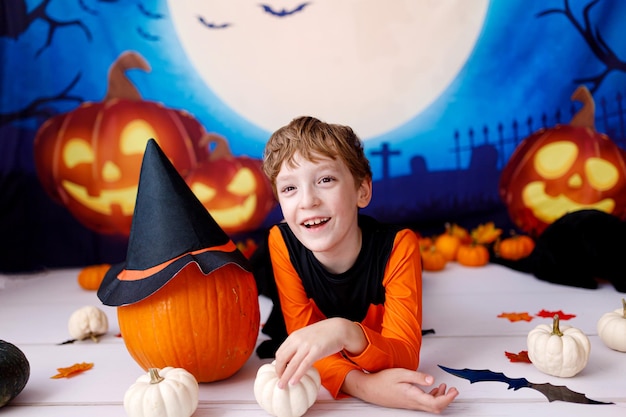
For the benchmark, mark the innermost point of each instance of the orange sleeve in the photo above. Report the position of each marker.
(393, 331)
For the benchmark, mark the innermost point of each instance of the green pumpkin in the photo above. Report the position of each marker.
(14, 372)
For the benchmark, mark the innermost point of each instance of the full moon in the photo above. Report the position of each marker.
(369, 64)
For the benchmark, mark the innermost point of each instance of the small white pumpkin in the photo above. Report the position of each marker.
(166, 392)
(612, 328)
(561, 352)
(293, 400)
(88, 321)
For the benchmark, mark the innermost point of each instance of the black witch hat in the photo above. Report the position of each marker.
(170, 229)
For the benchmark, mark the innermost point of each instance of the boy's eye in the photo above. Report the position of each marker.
(326, 179)
(287, 189)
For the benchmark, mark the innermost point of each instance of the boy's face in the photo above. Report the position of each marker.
(320, 202)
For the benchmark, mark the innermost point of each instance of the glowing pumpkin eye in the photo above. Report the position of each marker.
(111, 172)
(77, 151)
(134, 137)
(555, 159)
(202, 191)
(602, 174)
(243, 184)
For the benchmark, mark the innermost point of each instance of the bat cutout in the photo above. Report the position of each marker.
(551, 392)
(283, 12)
(212, 25)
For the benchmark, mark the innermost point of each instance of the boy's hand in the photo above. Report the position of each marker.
(398, 388)
(307, 345)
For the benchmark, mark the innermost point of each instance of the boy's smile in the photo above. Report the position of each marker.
(313, 223)
(320, 202)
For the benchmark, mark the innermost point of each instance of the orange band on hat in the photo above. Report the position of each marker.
(137, 274)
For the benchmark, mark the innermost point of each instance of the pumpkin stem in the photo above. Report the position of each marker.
(221, 149)
(624, 308)
(155, 378)
(555, 326)
(119, 84)
(585, 117)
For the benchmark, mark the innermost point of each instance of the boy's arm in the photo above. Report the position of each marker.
(397, 342)
(300, 312)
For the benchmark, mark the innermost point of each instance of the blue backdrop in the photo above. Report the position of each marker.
(440, 165)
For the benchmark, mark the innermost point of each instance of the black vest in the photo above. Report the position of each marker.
(350, 293)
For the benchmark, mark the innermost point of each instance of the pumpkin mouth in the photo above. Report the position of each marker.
(548, 209)
(236, 215)
(123, 198)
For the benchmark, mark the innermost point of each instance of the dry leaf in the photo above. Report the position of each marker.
(486, 233)
(73, 370)
(516, 316)
(521, 356)
(551, 314)
(454, 229)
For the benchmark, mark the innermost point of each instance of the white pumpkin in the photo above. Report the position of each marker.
(88, 321)
(561, 352)
(293, 400)
(167, 392)
(612, 328)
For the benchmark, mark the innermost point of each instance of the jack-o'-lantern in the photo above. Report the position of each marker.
(89, 158)
(564, 169)
(233, 189)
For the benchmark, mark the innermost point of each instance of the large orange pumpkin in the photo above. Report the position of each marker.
(563, 169)
(89, 158)
(233, 189)
(207, 325)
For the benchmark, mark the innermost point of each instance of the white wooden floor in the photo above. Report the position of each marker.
(460, 304)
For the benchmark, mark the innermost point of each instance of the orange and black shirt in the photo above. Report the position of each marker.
(382, 292)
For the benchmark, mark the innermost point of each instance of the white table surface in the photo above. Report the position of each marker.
(460, 304)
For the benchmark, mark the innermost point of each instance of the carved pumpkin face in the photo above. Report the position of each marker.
(234, 190)
(89, 159)
(560, 170)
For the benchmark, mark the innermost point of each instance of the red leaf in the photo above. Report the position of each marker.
(551, 314)
(522, 356)
(516, 316)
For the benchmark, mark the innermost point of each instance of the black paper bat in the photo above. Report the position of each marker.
(552, 392)
(283, 12)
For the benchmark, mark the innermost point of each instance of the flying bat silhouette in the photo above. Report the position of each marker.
(148, 13)
(212, 25)
(551, 392)
(283, 12)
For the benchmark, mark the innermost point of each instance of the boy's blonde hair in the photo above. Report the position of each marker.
(313, 138)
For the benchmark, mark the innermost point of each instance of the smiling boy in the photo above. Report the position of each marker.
(349, 287)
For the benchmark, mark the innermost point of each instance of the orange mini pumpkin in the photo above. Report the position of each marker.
(515, 247)
(432, 259)
(448, 242)
(207, 325)
(472, 254)
(90, 277)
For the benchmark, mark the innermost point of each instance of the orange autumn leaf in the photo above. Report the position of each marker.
(73, 370)
(516, 316)
(454, 229)
(486, 233)
(521, 356)
(247, 248)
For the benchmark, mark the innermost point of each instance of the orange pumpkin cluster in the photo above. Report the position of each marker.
(471, 248)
